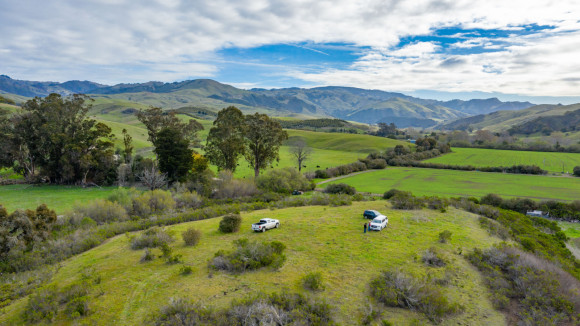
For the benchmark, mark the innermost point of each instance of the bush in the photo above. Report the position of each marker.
(444, 236)
(431, 257)
(147, 256)
(576, 171)
(396, 289)
(539, 290)
(249, 256)
(191, 236)
(182, 312)
(43, 305)
(151, 238)
(230, 223)
(390, 193)
(185, 270)
(340, 188)
(313, 281)
(154, 201)
(188, 199)
(283, 181)
(228, 187)
(406, 200)
(124, 197)
(491, 200)
(102, 211)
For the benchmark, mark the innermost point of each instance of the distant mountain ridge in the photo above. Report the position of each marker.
(356, 104)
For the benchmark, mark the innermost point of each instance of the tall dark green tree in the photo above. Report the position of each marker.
(263, 138)
(54, 138)
(127, 146)
(173, 154)
(156, 119)
(225, 142)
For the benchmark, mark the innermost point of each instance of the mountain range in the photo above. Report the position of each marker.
(349, 103)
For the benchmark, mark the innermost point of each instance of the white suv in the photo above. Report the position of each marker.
(378, 223)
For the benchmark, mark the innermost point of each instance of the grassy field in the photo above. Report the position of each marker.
(452, 183)
(572, 230)
(553, 162)
(59, 198)
(325, 239)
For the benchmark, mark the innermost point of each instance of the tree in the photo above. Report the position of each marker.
(300, 151)
(156, 119)
(263, 139)
(128, 146)
(54, 135)
(173, 154)
(225, 142)
(577, 171)
(425, 144)
(152, 179)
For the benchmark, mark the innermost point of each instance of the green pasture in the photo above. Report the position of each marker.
(59, 198)
(325, 239)
(452, 183)
(479, 157)
(572, 230)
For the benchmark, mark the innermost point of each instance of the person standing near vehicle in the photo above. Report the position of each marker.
(365, 228)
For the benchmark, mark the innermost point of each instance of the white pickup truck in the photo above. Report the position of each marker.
(265, 224)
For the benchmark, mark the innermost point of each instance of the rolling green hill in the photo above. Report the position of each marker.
(503, 120)
(325, 239)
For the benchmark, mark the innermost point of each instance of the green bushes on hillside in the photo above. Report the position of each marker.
(230, 223)
(533, 289)
(283, 308)
(576, 171)
(249, 255)
(151, 238)
(397, 289)
(340, 188)
(283, 181)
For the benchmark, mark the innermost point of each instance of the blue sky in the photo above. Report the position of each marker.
(514, 50)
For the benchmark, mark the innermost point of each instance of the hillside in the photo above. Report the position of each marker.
(325, 239)
(367, 106)
(503, 120)
(569, 121)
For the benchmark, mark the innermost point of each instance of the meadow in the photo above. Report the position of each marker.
(59, 198)
(325, 239)
(549, 161)
(451, 183)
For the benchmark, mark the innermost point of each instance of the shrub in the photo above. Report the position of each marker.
(185, 270)
(249, 256)
(396, 289)
(124, 197)
(147, 256)
(576, 171)
(491, 200)
(230, 223)
(188, 199)
(151, 238)
(313, 281)
(159, 200)
(283, 181)
(102, 211)
(340, 188)
(431, 257)
(43, 305)
(191, 236)
(539, 290)
(390, 193)
(167, 253)
(228, 187)
(182, 312)
(444, 236)
(406, 200)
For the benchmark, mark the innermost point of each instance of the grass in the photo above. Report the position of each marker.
(452, 183)
(326, 239)
(59, 198)
(552, 162)
(572, 230)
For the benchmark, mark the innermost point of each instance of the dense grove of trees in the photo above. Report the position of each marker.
(53, 138)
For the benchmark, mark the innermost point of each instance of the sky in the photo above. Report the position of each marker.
(442, 49)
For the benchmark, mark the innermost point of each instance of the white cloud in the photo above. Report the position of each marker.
(122, 40)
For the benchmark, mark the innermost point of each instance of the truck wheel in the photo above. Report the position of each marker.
(264, 229)
(277, 225)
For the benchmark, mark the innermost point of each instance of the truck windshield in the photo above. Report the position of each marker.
(378, 221)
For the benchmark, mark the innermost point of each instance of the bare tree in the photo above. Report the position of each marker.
(300, 151)
(123, 173)
(152, 178)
